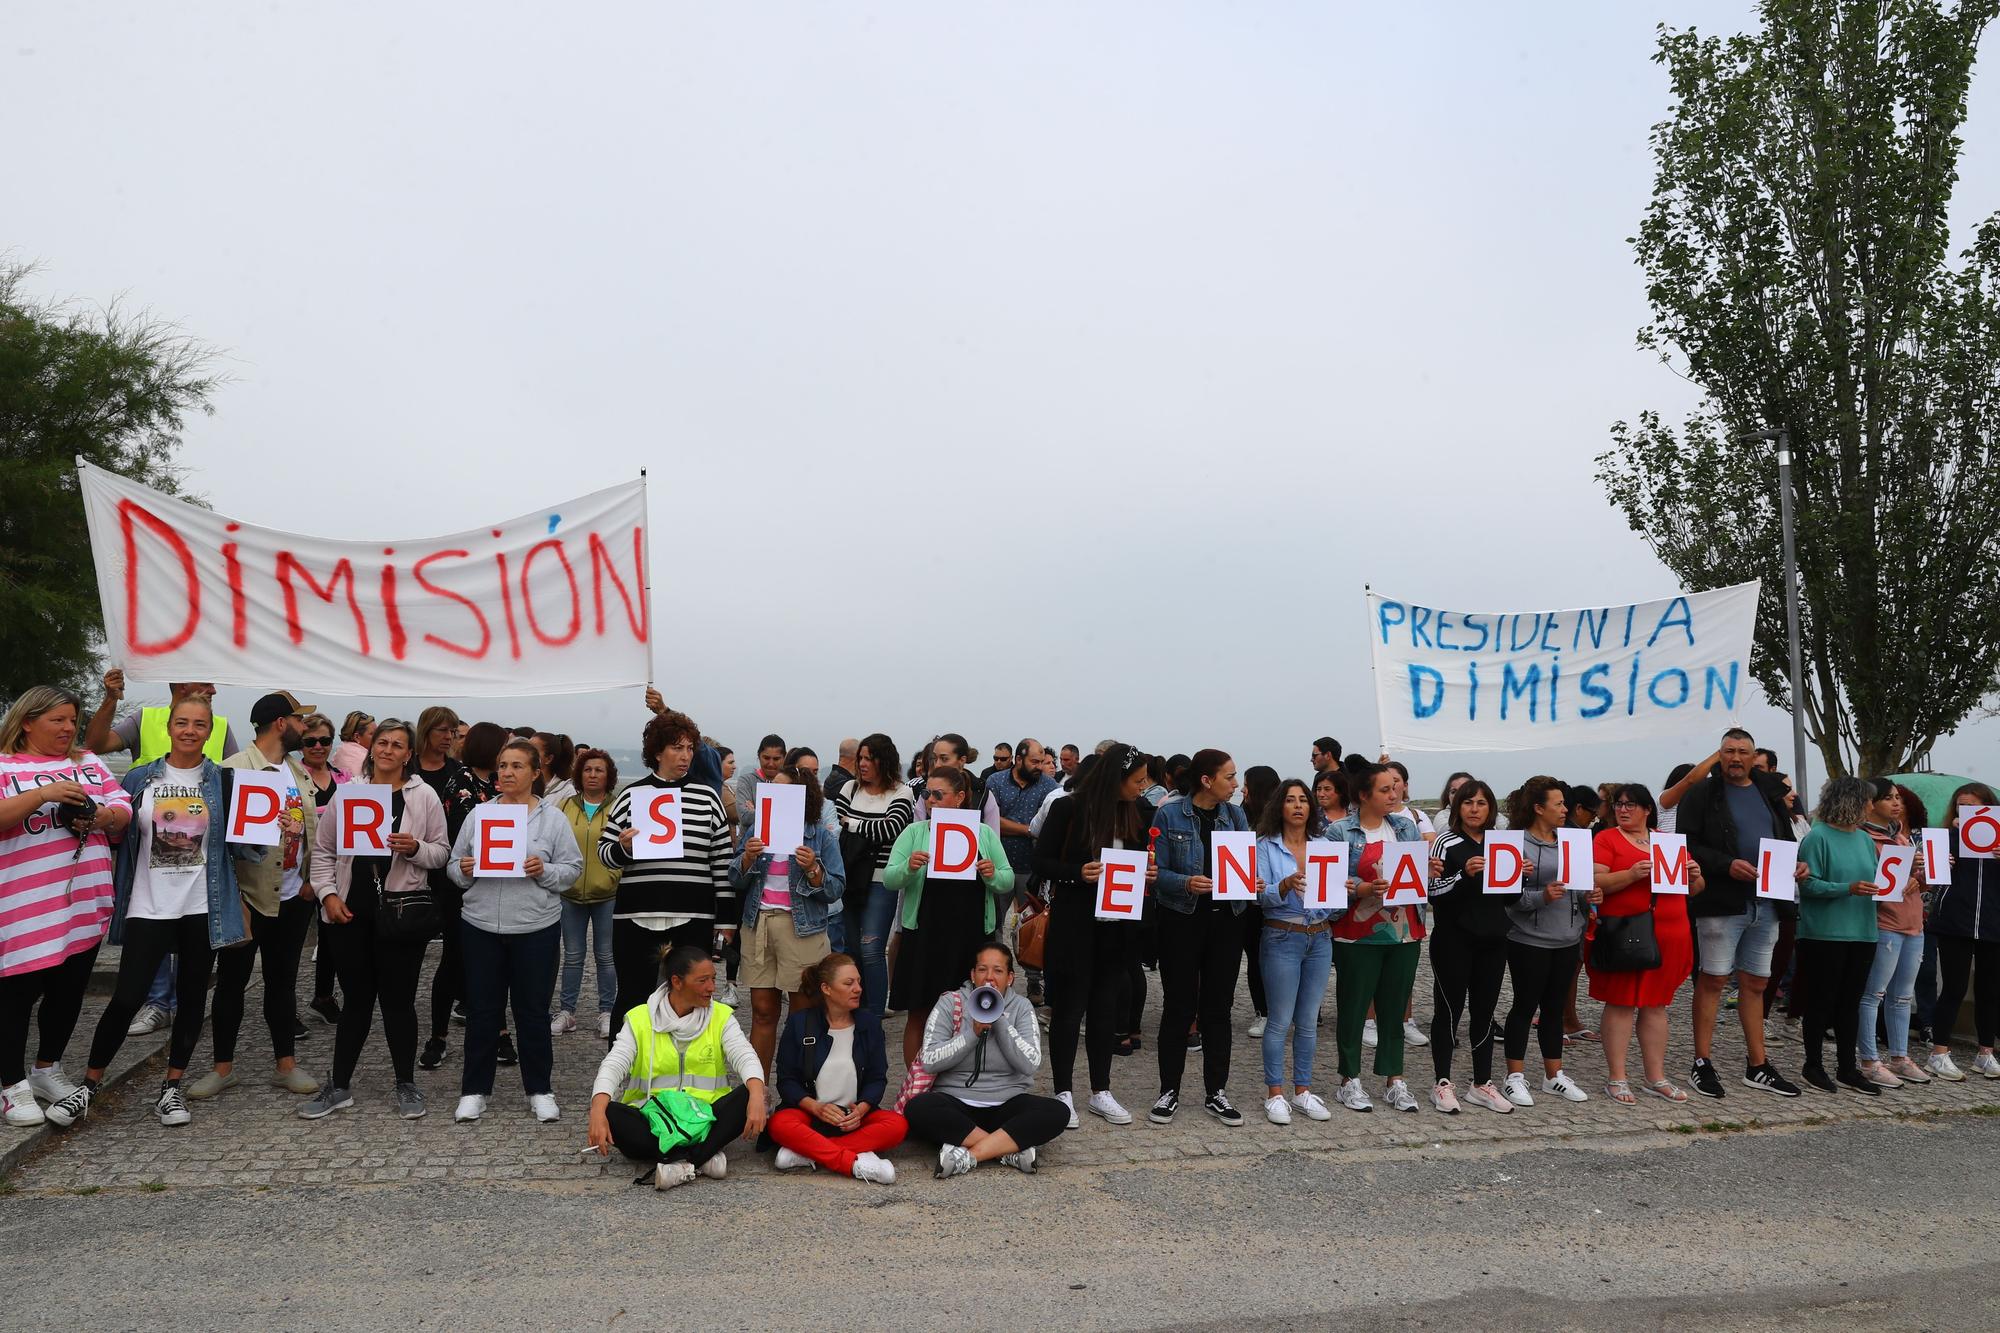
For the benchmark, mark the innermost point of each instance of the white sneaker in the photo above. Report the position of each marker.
(1444, 1099)
(50, 1084)
(1257, 1027)
(172, 1108)
(716, 1167)
(1368, 1037)
(1486, 1095)
(797, 1161)
(470, 1107)
(1565, 1087)
(1069, 1101)
(1277, 1110)
(562, 1024)
(1517, 1090)
(725, 993)
(867, 1166)
(1414, 1035)
(544, 1106)
(1941, 1066)
(1987, 1065)
(1104, 1104)
(1022, 1160)
(954, 1160)
(20, 1107)
(1354, 1097)
(1398, 1095)
(1309, 1102)
(604, 1026)
(150, 1018)
(669, 1174)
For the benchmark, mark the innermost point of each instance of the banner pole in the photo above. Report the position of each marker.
(646, 575)
(1381, 717)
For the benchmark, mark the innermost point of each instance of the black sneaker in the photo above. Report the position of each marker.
(1194, 1040)
(1163, 1109)
(1218, 1106)
(1766, 1079)
(458, 1012)
(433, 1055)
(300, 1032)
(1706, 1081)
(327, 1009)
(1816, 1075)
(506, 1054)
(1853, 1079)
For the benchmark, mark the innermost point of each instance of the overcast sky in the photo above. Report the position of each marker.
(1053, 369)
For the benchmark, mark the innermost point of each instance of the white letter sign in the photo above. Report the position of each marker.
(1777, 869)
(1670, 863)
(1407, 867)
(954, 845)
(361, 815)
(1893, 865)
(1326, 874)
(656, 824)
(257, 806)
(499, 840)
(1979, 832)
(781, 817)
(1937, 856)
(1576, 860)
(1232, 865)
(1121, 886)
(1506, 853)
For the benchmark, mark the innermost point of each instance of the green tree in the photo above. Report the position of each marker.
(76, 383)
(1797, 260)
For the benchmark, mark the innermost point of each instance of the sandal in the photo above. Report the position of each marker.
(1581, 1034)
(1620, 1091)
(1666, 1091)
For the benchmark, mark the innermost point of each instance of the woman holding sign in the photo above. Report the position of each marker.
(513, 858)
(1469, 940)
(786, 896)
(1544, 936)
(371, 866)
(1376, 943)
(1965, 921)
(176, 894)
(1297, 944)
(944, 923)
(1836, 939)
(1899, 940)
(1088, 952)
(1623, 868)
(49, 834)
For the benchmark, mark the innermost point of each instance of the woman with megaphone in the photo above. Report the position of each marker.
(833, 1069)
(944, 920)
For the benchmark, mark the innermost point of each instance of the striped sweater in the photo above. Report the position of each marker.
(54, 902)
(696, 885)
(880, 817)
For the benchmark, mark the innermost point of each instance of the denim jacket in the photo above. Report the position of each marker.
(809, 904)
(1401, 829)
(225, 901)
(1180, 853)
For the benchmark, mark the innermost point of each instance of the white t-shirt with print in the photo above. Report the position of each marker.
(170, 880)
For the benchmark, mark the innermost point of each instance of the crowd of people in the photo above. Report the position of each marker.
(830, 935)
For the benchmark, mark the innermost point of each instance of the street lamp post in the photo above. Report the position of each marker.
(1783, 439)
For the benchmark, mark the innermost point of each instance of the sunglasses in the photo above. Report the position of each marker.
(317, 740)
(937, 795)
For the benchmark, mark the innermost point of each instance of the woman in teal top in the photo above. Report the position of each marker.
(1836, 941)
(944, 925)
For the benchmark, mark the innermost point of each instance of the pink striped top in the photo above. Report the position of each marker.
(53, 902)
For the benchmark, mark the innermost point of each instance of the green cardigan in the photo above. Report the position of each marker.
(899, 878)
(1828, 910)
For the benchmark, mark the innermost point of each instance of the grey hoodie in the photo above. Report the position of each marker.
(515, 904)
(1532, 918)
(992, 1066)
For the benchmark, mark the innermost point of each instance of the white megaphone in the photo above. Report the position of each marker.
(986, 1005)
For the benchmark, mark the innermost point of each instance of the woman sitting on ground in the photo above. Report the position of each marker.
(833, 1068)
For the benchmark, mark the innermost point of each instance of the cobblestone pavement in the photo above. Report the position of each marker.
(251, 1137)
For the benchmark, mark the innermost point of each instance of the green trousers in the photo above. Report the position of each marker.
(1381, 975)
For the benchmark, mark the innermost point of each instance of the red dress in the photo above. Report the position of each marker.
(1644, 990)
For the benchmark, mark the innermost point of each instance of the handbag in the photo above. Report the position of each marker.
(676, 1118)
(1031, 936)
(1626, 943)
(919, 1079)
(411, 917)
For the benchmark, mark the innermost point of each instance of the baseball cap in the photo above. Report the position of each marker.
(274, 706)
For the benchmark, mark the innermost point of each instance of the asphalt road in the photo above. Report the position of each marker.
(1878, 1224)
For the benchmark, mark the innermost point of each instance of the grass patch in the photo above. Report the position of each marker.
(153, 1186)
(1682, 1129)
(8, 1187)
(85, 1191)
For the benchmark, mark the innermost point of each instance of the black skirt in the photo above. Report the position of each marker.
(937, 956)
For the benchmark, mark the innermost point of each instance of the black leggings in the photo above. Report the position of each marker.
(147, 943)
(1541, 986)
(636, 954)
(322, 963)
(1031, 1121)
(448, 982)
(1102, 987)
(1252, 922)
(1962, 961)
(633, 1134)
(1465, 979)
(1836, 972)
(278, 940)
(372, 972)
(60, 988)
(1199, 953)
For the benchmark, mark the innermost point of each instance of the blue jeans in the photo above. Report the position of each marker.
(1894, 974)
(878, 916)
(836, 930)
(594, 919)
(1295, 967)
(161, 993)
(1927, 984)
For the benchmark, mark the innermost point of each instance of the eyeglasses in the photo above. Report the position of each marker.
(935, 795)
(1626, 805)
(317, 740)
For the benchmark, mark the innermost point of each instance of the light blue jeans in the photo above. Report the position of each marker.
(878, 919)
(594, 919)
(1296, 967)
(1894, 974)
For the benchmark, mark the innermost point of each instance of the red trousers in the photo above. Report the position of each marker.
(878, 1132)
